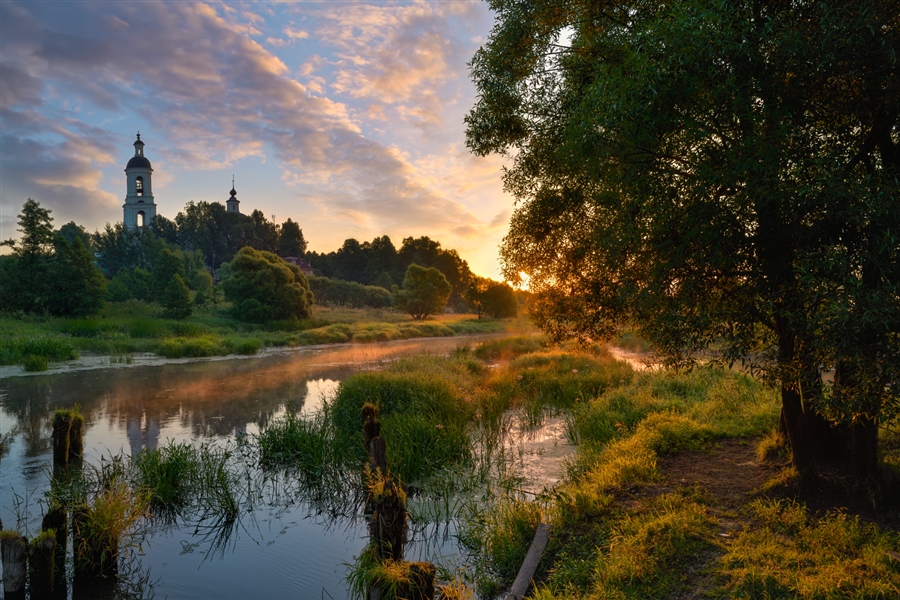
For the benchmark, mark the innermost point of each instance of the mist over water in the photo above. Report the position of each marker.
(292, 549)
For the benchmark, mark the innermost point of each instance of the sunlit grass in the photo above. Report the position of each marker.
(791, 554)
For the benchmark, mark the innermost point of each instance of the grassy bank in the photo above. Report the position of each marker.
(623, 526)
(124, 329)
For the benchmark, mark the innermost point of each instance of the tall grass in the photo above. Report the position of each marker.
(166, 475)
(424, 414)
(16, 349)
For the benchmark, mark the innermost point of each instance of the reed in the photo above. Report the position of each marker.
(100, 527)
(166, 475)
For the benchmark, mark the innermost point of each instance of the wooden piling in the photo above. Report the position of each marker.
(388, 524)
(42, 564)
(13, 556)
(57, 521)
(76, 436)
(378, 455)
(62, 423)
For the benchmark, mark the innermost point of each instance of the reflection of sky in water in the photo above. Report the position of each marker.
(131, 408)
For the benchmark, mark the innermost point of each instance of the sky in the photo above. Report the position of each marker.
(346, 117)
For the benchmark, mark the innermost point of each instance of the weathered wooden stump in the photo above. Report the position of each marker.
(76, 437)
(13, 548)
(388, 524)
(62, 424)
(378, 455)
(56, 520)
(42, 563)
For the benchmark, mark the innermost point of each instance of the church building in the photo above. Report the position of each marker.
(139, 206)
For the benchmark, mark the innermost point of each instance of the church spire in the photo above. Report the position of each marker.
(233, 204)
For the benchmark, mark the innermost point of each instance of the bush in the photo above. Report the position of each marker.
(263, 287)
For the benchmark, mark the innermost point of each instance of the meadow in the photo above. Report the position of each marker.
(127, 328)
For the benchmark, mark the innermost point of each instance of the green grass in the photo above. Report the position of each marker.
(423, 412)
(165, 475)
(510, 347)
(137, 327)
(789, 553)
(35, 350)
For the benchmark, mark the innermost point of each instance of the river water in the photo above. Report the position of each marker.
(292, 550)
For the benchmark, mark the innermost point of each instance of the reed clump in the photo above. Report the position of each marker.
(100, 526)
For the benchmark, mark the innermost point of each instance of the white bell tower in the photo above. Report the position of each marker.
(139, 206)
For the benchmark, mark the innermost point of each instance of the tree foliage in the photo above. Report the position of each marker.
(337, 292)
(425, 292)
(723, 175)
(176, 299)
(290, 239)
(493, 298)
(263, 287)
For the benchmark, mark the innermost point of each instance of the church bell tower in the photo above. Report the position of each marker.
(139, 206)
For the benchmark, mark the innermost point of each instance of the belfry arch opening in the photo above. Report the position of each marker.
(139, 185)
(140, 218)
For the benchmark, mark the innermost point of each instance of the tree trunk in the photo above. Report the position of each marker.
(802, 455)
(864, 449)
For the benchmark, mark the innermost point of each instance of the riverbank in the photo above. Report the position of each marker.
(129, 331)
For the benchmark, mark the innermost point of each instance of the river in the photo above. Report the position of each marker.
(291, 550)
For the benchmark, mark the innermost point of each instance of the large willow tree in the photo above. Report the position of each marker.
(722, 174)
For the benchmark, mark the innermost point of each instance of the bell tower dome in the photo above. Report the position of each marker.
(139, 206)
(233, 205)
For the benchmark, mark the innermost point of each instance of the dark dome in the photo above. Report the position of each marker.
(136, 162)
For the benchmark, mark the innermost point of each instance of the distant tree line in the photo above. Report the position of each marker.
(380, 263)
(62, 272)
(209, 228)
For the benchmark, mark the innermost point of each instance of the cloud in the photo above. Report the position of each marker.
(295, 34)
(207, 95)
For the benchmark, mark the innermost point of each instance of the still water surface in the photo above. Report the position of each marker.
(276, 551)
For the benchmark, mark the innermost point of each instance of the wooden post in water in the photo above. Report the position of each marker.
(76, 437)
(42, 563)
(12, 554)
(62, 424)
(388, 523)
(56, 520)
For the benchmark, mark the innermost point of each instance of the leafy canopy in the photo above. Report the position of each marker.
(263, 287)
(722, 174)
(425, 292)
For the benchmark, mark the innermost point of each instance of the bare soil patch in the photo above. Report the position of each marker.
(729, 472)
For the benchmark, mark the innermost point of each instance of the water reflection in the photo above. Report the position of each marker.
(130, 408)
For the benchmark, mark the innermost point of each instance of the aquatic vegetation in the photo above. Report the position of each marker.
(99, 528)
(38, 350)
(166, 474)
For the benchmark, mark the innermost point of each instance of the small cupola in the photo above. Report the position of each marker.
(233, 204)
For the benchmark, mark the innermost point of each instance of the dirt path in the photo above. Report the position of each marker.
(729, 472)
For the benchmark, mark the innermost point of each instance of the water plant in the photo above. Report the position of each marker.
(166, 475)
(100, 527)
